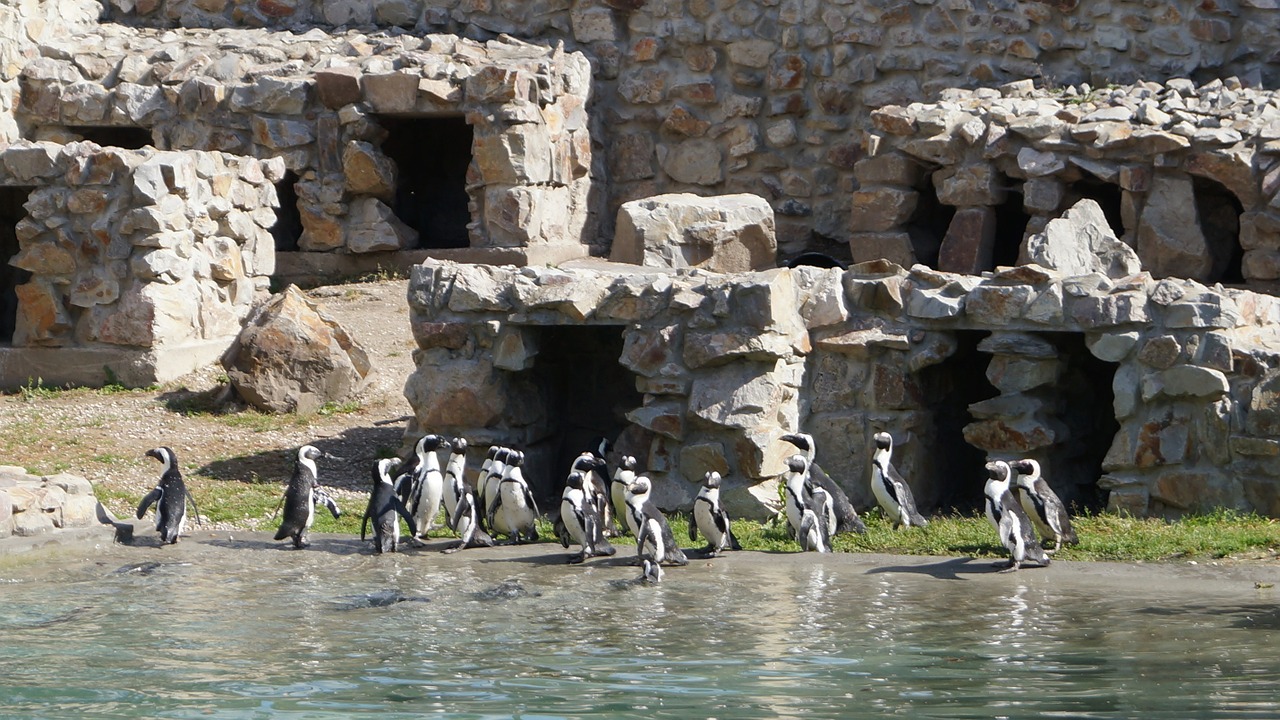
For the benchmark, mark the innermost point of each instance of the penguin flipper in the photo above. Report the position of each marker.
(733, 541)
(403, 512)
(562, 532)
(329, 503)
(147, 500)
(693, 524)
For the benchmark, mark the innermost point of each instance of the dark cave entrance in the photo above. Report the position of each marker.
(432, 155)
(1011, 226)
(1107, 195)
(1086, 407)
(288, 228)
(1218, 210)
(129, 138)
(952, 386)
(11, 211)
(585, 394)
(929, 223)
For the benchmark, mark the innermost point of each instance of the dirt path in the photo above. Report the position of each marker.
(102, 435)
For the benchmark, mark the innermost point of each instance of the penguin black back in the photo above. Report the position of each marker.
(169, 496)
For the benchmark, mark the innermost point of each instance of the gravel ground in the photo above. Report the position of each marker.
(103, 436)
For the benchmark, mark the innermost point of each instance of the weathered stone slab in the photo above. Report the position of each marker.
(729, 233)
(1081, 242)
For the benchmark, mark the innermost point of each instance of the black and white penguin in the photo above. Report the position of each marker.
(654, 539)
(428, 484)
(580, 517)
(1010, 521)
(847, 519)
(466, 522)
(807, 522)
(302, 496)
(595, 484)
(710, 519)
(513, 511)
(487, 491)
(384, 506)
(455, 485)
(170, 497)
(891, 491)
(623, 476)
(1042, 505)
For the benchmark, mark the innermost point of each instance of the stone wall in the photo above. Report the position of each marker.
(32, 505)
(772, 97)
(729, 363)
(24, 25)
(1191, 173)
(140, 264)
(320, 102)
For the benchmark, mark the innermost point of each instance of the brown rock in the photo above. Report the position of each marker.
(291, 356)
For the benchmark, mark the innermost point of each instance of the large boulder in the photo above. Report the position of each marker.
(728, 233)
(292, 357)
(1081, 242)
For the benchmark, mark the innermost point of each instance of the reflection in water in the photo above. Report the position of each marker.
(257, 633)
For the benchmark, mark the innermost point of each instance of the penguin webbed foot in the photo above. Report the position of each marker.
(577, 558)
(454, 547)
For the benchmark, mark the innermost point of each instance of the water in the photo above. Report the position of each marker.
(245, 629)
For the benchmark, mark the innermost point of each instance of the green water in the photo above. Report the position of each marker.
(245, 629)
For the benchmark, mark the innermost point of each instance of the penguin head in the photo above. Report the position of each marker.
(602, 447)
(797, 464)
(884, 441)
(575, 480)
(493, 452)
(711, 479)
(1028, 470)
(515, 458)
(382, 470)
(164, 455)
(428, 443)
(800, 440)
(459, 444)
(640, 486)
(309, 452)
(998, 470)
(586, 462)
(627, 463)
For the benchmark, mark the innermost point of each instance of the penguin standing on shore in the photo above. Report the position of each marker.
(170, 497)
(428, 484)
(710, 519)
(846, 515)
(301, 498)
(891, 491)
(595, 484)
(384, 506)
(513, 511)
(487, 490)
(1010, 521)
(807, 521)
(623, 476)
(654, 539)
(466, 522)
(580, 519)
(1042, 505)
(455, 486)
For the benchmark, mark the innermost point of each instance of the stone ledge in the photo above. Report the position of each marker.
(86, 367)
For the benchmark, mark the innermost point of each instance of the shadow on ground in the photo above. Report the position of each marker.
(354, 452)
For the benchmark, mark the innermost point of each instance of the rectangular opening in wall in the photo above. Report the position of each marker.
(129, 138)
(432, 155)
(585, 393)
(288, 227)
(11, 211)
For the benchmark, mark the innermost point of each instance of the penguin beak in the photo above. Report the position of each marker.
(331, 456)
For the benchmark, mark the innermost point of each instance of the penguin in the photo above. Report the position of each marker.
(596, 485)
(483, 475)
(1042, 505)
(428, 484)
(623, 476)
(170, 497)
(487, 493)
(808, 523)
(710, 519)
(650, 571)
(513, 511)
(466, 522)
(383, 508)
(580, 518)
(302, 496)
(847, 519)
(654, 539)
(891, 491)
(604, 478)
(455, 486)
(1010, 521)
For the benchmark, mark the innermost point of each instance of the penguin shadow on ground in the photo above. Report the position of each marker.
(348, 457)
(951, 568)
(331, 546)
